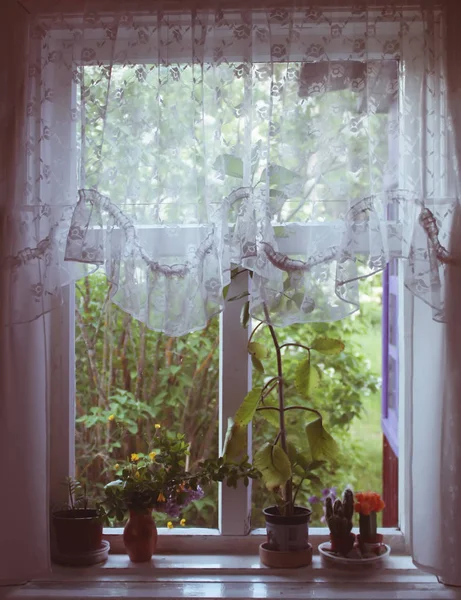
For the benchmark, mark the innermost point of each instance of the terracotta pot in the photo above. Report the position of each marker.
(77, 531)
(285, 560)
(342, 545)
(287, 534)
(370, 545)
(140, 536)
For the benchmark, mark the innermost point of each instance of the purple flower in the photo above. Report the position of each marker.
(329, 492)
(174, 506)
(313, 499)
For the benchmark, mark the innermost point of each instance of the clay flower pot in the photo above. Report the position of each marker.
(287, 534)
(77, 531)
(140, 536)
(342, 545)
(370, 546)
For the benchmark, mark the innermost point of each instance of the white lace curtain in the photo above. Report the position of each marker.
(307, 145)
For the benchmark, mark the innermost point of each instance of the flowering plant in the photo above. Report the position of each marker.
(367, 505)
(368, 502)
(159, 479)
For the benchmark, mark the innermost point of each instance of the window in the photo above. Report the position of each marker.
(106, 383)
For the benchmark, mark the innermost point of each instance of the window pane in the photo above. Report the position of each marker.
(348, 396)
(128, 378)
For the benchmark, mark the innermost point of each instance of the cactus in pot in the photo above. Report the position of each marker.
(338, 515)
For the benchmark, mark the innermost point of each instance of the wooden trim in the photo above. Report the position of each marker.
(203, 541)
(390, 485)
(86, 6)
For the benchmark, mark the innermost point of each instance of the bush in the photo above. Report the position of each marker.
(128, 378)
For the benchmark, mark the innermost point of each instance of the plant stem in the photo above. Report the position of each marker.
(255, 330)
(297, 489)
(297, 345)
(288, 495)
(304, 408)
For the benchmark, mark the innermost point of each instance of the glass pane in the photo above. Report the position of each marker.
(392, 384)
(348, 395)
(393, 332)
(129, 378)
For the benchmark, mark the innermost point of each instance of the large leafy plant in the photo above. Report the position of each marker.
(301, 445)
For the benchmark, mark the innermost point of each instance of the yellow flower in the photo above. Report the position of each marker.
(169, 525)
(161, 498)
(116, 466)
(137, 475)
(111, 417)
(134, 457)
(182, 522)
(152, 455)
(157, 425)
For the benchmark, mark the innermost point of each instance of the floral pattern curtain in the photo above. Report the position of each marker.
(307, 145)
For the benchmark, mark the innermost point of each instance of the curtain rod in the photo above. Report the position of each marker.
(79, 6)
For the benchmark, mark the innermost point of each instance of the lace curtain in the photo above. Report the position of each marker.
(167, 147)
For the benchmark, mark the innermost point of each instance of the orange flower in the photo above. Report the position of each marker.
(368, 502)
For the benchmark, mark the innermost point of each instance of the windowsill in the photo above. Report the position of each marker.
(210, 541)
(234, 577)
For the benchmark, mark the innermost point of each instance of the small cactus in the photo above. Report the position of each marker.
(339, 514)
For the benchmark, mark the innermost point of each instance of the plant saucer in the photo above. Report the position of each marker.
(355, 560)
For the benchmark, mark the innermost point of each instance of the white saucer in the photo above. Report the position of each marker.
(342, 561)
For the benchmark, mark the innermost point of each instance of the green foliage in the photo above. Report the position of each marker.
(284, 465)
(159, 478)
(272, 461)
(176, 383)
(307, 377)
(322, 446)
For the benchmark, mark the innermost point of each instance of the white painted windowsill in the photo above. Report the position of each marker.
(240, 577)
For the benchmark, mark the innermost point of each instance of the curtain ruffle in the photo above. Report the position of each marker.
(307, 145)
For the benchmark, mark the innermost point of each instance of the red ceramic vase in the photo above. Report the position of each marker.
(140, 536)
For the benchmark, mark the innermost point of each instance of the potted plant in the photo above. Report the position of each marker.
(338, 515)
(159, 480)
(367, 505)
(292, 456)
(78, 528)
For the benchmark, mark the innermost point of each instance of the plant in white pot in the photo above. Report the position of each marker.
(299, 447)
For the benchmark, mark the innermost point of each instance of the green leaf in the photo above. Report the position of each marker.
(257, 364)
(306, 377)
(327, 345)
(229, 165)
(258, 350)
(321, 444)
(247, 409)
(245, 314)
(279, 175)
(314, 479)
(274, 465)
(271, 416)
(297, 457)
(276, 200)
(235, 442)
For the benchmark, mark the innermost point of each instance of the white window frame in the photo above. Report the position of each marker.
(235, 382)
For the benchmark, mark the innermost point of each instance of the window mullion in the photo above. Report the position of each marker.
(234, 384)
